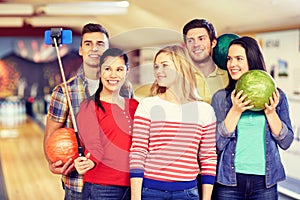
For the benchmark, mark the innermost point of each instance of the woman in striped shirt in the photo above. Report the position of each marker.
(173, 134)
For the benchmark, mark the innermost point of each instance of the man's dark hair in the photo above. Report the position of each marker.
(200, 23)
(91, 28)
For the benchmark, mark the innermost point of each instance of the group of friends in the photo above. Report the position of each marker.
(192, 138)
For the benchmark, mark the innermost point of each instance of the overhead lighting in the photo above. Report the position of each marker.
(58, 21)
(11, 22)
(85, 8)
(16, 9)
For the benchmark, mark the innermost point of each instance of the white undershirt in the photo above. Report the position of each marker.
(92, 85)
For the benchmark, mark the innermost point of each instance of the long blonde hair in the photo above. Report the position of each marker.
(184, 67)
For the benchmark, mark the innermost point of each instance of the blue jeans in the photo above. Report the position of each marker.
(71, 194)
(188, 194)
(105, 192)
(249, 187)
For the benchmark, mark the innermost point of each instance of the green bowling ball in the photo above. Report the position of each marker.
(258, 85)
(221, 49)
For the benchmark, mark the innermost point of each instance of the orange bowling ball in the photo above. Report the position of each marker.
(62, 145)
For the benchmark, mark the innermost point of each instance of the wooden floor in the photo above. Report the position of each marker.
(25, 169)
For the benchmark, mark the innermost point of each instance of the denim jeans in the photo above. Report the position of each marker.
(249, 187)
(105, 192)
(71, 194)
(188, 194)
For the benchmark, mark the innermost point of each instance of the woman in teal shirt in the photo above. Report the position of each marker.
(249, 164)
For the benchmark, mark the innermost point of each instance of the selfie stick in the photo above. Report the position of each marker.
(56, 36)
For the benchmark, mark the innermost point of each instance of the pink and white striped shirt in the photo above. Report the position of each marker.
(170, 140)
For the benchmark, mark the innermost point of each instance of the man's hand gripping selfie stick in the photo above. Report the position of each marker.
(56, 35)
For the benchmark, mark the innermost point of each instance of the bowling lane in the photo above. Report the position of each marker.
(25, 170)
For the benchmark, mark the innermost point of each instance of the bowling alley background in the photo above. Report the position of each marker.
(29, 69)
(28, 72)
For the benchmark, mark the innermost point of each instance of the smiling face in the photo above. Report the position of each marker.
(164, 70)
(113, 74)
(199, 45)
(92, 46)
(237, 63)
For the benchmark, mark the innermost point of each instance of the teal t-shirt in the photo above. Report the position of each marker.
(250, 150)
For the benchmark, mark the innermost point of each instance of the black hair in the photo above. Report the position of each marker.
(114, 52)
(254, 56)
(91, 28)
(200, 23)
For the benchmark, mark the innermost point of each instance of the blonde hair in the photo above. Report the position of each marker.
(184, 67)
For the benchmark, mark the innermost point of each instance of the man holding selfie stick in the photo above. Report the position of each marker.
(94, 41)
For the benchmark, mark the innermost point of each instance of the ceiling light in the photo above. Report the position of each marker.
(85, 8)
(58, 21)
(11, 22)
(16, 9)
